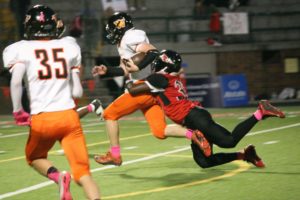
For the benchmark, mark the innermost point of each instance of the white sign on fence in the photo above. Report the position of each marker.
(117, 5)
(236, 23)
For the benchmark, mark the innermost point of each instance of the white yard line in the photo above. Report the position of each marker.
(13, 135)
(273, 129)
(44, 184)
(85, 131)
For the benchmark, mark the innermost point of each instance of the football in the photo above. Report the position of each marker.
(136, 58)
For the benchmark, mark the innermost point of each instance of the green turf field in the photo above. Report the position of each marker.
(164, 170)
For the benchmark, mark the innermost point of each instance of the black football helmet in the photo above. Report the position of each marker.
(117, 25)
(168, 61)
(41, 22)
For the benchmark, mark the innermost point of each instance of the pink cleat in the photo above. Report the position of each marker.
(108, 159)
(64, 186)
(269, 110)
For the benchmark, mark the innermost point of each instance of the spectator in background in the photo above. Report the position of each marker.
(76, 27)
(203, 9)
(215, 27)
(19, 8)
(230, 4)
(198, 9)
(137, 4)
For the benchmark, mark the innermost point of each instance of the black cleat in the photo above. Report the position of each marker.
(252, 157)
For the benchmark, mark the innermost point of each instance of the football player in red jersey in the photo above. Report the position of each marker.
(173, 98)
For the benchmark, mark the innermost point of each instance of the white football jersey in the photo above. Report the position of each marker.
(127, 48)
(48, 66)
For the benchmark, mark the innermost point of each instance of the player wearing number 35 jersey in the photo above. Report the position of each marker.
(48, 66)
(51, 69)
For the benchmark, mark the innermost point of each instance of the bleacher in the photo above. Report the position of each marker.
(274, 24)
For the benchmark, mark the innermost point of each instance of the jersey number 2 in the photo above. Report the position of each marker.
(61, 72)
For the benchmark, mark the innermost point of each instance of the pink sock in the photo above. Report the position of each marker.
(188, 134)
(115, 151)
(90, 107)
(258, 115)
(54, 176)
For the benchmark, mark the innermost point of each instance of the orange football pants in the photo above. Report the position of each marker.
(127, 104)
(62, 126)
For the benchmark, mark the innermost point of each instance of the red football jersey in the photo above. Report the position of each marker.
(174, 98)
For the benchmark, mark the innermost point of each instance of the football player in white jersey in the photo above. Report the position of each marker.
(50, 66)
(130, 41)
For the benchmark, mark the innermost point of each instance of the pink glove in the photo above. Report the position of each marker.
(22, 118)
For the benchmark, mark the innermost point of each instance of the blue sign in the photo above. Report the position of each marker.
(205, 90)
(234, 90)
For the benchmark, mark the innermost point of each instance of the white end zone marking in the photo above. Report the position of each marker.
(271, 142)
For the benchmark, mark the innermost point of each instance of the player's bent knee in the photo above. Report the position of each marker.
(80, 173)
(161, 137)
(203, 162)
(204, 165)
(159, 134)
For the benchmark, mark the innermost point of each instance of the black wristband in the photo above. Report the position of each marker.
(114, 71)
(150, 56)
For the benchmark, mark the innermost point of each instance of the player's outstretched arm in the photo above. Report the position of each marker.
(105, 71)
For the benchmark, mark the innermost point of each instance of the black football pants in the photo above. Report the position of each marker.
(200, 119)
